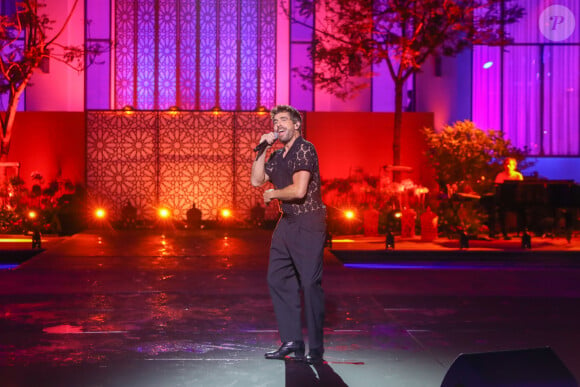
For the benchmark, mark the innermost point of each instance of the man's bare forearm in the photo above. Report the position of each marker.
(258, 176)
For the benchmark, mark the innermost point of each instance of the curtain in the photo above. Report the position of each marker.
(531, 90)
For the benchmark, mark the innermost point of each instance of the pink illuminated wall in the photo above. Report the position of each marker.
(61, 88)
(530, 89)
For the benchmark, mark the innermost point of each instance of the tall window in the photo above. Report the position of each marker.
(196, 55)
(530, 89)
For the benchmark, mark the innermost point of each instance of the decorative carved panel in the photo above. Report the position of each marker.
(174, 159)
(195, 54)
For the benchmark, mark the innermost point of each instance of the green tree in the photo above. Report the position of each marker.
(350, 36)
(465, 155)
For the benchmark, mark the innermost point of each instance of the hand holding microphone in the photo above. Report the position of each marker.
(268, 195)
(267, 140)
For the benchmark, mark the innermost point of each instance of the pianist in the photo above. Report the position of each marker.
(509, 171)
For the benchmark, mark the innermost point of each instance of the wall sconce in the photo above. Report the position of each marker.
(173, 110)
(262, 110)
(216, 110)
(128, 109)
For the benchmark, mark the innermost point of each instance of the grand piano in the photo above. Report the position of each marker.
(540, 204)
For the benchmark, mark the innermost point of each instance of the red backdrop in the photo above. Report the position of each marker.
(349, 140)
(52, 143)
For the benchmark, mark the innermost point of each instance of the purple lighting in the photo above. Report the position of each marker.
(527, 89)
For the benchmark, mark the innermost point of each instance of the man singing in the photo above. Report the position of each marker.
(298, 241)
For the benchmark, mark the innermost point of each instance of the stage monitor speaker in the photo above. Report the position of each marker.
(527, 367)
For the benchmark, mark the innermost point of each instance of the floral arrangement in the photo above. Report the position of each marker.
(45, 208)
(362, 192)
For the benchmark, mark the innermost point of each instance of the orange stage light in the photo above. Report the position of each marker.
(349, 214)
(226, 213)
(14, 240)
(100, 213)
(164, 213)
(32, 214)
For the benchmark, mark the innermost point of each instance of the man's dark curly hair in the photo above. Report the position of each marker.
(295, 115)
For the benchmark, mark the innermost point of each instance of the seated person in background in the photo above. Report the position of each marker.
(509, 171)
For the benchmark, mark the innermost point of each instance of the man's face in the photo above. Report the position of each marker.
(285, 127)
(512, 165)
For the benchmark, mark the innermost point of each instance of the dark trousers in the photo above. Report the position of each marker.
(296, 263)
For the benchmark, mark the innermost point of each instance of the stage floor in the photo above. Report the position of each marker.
(178, 308)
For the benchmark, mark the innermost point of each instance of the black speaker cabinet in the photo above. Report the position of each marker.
(538, 367)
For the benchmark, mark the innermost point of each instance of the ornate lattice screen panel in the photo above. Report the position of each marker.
(122, 153)
(249, 127)
(174, 159)
(195, 54)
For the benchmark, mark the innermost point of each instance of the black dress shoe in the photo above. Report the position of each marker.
(288, 347)
(314, 356)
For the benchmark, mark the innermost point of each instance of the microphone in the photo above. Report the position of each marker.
(260, 147)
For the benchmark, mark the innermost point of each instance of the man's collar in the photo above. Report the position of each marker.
(291, 143)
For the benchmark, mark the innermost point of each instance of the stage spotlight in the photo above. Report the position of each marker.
(32, 214)
(389, 240)
(164, 213)
(349, 214)
(526, 240)
(100, 213)
(226, 218)
(398, 214)
(226, 213)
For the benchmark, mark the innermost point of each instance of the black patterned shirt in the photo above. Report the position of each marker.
(301, 157)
